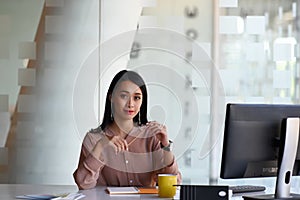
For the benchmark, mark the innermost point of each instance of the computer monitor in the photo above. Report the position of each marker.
(260, 140)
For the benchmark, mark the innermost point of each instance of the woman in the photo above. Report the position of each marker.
(126, 149)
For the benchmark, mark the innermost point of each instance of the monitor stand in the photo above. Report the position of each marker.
(290, 137)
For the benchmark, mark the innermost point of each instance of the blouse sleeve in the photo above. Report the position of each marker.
(171, 168)
(87, 173)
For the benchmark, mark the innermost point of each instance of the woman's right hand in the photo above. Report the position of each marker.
(119, 144)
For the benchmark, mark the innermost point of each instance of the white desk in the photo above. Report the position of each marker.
(10, 191)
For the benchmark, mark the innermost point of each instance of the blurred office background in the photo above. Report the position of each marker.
(57, 58)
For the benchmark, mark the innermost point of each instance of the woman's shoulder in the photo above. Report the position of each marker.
(94, 134)
(95, 130)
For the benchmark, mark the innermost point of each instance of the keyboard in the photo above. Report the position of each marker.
(246, 188)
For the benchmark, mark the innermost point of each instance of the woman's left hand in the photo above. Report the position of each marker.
(160, 131)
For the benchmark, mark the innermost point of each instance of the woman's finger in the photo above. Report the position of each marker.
(125, 145)
(120, 144)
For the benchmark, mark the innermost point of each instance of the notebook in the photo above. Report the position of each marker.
(132, 190)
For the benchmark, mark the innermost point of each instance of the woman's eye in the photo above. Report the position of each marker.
(124, 96)
(137, 98)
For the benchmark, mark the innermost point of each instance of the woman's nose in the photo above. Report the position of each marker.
(130, 102)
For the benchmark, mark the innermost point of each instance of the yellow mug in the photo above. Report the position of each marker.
(166, 186)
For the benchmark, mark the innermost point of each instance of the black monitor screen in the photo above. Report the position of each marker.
(252, 139)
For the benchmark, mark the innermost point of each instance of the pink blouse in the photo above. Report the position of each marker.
(136, 167)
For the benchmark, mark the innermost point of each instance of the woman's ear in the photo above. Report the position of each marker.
(110, 98)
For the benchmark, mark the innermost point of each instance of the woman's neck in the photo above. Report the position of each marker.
(122, 128)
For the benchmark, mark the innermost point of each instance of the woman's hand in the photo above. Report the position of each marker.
(160, 131)
(118, 143)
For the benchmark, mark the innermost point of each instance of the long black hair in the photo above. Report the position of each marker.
(121, 76)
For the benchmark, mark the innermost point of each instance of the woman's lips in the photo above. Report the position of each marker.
(130, 112)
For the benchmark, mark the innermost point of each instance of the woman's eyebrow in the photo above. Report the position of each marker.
(124, 91)
(136, 93)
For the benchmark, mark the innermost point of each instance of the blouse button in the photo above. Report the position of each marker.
(126, 161)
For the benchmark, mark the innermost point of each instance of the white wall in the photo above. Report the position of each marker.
(47, 146)
(18, 22)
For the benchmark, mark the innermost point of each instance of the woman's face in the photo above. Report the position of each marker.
(126, 100)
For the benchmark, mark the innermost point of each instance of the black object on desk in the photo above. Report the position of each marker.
(204, 192)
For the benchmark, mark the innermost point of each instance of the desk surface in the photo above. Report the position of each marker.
(10, 191)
